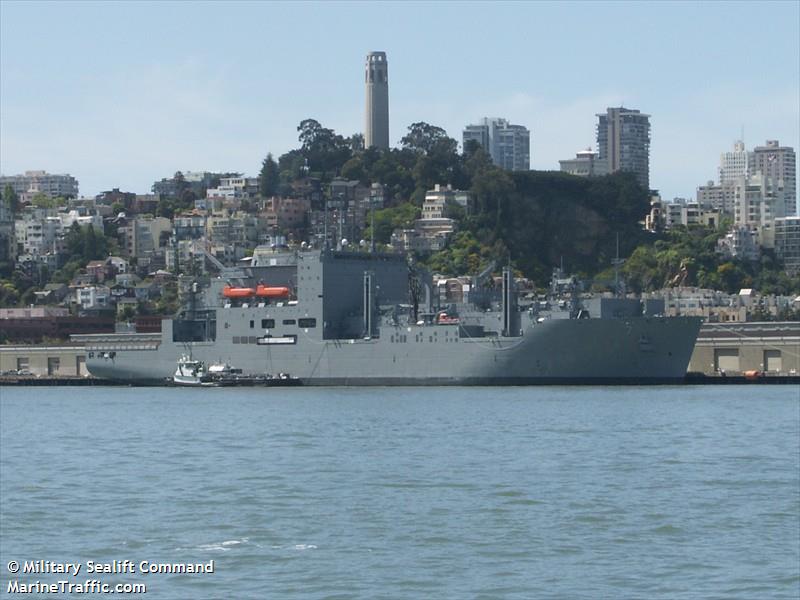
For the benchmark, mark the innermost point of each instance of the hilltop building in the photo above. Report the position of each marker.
(144, 235)
(40, 182)
(376, 78)
(196, 181)
(682, 211)
(623, 142)
(508, 145)
(721, 197)
(586, 163)
(733, 165)
(778, 163)
(437, 201)
(741, 242)
(758, 200)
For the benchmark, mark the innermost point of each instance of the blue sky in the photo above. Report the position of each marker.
(121, 94)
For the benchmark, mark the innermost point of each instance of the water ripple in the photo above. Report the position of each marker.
(633, 493)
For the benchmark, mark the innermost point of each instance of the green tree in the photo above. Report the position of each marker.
(11, 199)
(324, 150)
(291, 166)
(425, 138)
(389, 219)
(356, 142)
(89, 244)
(126, 314)
(42, 200)
(353, 169)
(269, 178)
(181, 185)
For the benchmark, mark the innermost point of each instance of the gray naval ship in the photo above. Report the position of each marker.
(347, 318)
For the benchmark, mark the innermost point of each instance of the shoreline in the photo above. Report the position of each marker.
(689, 379)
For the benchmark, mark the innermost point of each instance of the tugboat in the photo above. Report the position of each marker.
(192, 373)
(195, 373)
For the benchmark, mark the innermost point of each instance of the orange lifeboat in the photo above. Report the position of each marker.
(237, 292)
(444, 319)
(263, 291)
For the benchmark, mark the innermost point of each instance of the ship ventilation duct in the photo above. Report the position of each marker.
(511, 320)
(369, 302)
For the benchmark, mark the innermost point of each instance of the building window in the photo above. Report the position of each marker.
(289, 322)
(252, 324)
(307, 323)
(267, 323)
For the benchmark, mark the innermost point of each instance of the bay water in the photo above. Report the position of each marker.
(530, 492)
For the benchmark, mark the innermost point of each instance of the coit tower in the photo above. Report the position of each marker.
(376, 77)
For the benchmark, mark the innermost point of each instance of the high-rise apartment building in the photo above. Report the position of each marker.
(508, 145)
(778, 163)
(758, 200)
(376, 78)
(623, 142)
(41, 182)
(733, 165)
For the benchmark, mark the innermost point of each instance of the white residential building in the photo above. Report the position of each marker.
(437, 199)
(778, 163)
(40, 236)
(741, 242)
(238, 228)
(35, 182)
(586, 163)
(93, 296)
(74, 216)
(688, 213)
(234, 188)
(733, 165)
(759, 200)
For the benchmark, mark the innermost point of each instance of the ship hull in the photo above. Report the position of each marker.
(560, 351)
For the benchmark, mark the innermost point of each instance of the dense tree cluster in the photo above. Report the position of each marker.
(533, 219)
(688, 257)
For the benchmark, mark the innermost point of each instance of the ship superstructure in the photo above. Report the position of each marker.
(349, 318)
